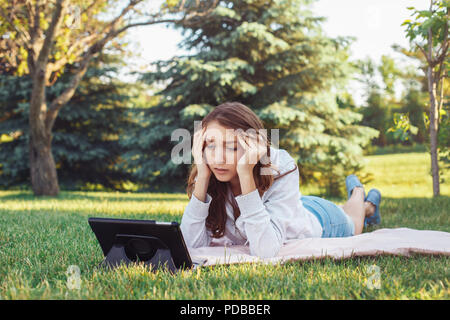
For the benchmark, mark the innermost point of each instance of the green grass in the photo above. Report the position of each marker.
(41, 237)
(398, 148)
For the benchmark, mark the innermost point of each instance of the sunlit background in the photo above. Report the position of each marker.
(376, 25)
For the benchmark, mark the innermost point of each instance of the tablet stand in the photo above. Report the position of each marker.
(129, 248)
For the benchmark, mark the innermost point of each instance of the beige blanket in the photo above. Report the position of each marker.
(400, 241)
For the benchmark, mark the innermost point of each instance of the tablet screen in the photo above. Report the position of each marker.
(105, 229)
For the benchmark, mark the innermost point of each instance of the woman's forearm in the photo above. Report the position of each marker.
(192, 224)
(247, 182)
(201, 187)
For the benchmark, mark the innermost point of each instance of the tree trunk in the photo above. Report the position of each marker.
(434, 122)
(44, 179)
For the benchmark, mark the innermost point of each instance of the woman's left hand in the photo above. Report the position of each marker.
(255, 147)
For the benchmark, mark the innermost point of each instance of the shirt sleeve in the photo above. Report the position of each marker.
(193, 225)
(265, 223)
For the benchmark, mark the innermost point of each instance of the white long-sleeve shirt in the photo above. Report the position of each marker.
(265, 223)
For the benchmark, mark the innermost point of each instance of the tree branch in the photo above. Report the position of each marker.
(89, 8)
(444, 46)
(440, 82)
(76, 48)
(34, 33)
(42, 59)
(68, 93)
(24, 36)
(96, 47)
(146, 23)
(188, 17)
(422, 49)
(116, 21)
(443, 54)
(30, 14)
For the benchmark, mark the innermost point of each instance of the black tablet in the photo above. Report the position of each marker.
(141, 240)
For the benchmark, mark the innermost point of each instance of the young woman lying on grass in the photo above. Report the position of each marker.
(234, 201)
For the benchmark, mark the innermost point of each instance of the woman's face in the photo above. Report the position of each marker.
(222, 151)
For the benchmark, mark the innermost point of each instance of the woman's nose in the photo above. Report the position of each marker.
(219, 156)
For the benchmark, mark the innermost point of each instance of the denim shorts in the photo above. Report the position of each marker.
(335, 222)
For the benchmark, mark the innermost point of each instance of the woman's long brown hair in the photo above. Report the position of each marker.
(232, 115)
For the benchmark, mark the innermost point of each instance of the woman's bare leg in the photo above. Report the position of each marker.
(358, 209)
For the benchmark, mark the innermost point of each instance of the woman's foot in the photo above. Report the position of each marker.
(374, 199)
(352, 182)
(369, 209)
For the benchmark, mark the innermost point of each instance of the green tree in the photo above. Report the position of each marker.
(376, 110)
(383, 110)
(429, 32)
(273, 57)
(414, 107)
(86, 137)
(377, 115)
(40, 38)
(390, 75)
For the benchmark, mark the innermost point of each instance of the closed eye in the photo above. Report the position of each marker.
(211, 146)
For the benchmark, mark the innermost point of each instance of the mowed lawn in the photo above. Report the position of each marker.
(41, 237)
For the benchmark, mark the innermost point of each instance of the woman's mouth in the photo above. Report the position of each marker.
(221, 171)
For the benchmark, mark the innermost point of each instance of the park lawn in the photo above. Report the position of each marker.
(41, 237)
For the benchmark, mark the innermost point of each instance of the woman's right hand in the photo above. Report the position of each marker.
(203, 169)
